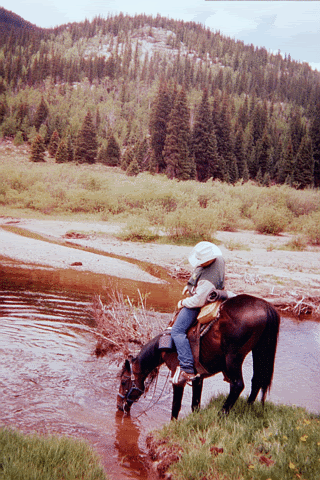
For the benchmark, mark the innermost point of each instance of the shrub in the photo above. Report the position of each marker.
(137, 230)
(18, 139)
(312, 228)
(270, 221)
(302, 202)
(191, 225)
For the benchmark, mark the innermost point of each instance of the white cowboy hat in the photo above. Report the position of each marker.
(203, 252)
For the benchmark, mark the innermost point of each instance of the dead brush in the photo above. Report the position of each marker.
(120, 324)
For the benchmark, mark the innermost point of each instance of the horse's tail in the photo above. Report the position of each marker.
(264, 352)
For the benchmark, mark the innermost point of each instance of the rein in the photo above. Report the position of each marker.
(132, 389)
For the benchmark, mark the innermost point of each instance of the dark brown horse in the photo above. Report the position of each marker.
(246, 323)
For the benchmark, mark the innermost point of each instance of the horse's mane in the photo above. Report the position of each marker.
(147, 357)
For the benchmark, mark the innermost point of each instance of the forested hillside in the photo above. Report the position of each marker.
(162, 95)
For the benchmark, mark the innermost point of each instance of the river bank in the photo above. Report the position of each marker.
(256, 264)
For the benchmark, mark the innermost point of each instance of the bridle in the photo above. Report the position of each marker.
(134, 392)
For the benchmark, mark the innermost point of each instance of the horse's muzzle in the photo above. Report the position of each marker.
(123, 405)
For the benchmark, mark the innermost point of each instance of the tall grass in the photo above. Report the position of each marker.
(30, 457)
(152, 206)
(252, 443)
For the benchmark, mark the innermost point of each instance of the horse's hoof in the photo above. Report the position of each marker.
(223, 413)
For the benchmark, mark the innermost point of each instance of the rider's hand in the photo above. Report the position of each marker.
(180, 305)
(185, 290)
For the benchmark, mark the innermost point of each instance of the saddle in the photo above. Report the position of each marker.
(207, 318)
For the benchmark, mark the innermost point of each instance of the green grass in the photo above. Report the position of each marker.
(152, 206)
(30, 457)
(252, 443)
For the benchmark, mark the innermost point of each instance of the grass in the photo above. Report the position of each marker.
(151, 206)
(252, 443)
(30, 457)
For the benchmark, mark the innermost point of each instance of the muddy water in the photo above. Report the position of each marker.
(52, 383)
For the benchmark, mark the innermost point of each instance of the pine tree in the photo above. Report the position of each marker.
(239, 154)
(176, 151)
(62, 152)
(86, 146)
(133, 169)
(204, 143)
(158, 124)
(37, 149)
(54, 143)
(263, 154)
(297, 130)
(287, 165)
(304, 167)
(70, 148)
(223, 128)
(41, 114)
(127, 158)
(113, 151)
(315, 137)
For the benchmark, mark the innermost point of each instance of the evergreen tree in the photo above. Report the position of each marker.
(41, 114)
(263, 154)
(204, 143)
(315, 138)
(62, 152)
(224, 133)
(127, 158)
(297, 130)
(304, 167)
(287, 165)
(54, 143)
(239, 154)
(70, 148)
(37, 149)
(133, 169)
(86, 146)
(113, 151)
(176, 151)
(158, 124)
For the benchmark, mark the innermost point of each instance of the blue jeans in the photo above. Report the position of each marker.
(184, 320)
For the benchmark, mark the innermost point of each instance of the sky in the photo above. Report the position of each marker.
(293, 27)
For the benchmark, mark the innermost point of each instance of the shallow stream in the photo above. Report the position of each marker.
(52, 383)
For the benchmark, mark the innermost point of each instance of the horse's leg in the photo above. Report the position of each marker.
(256, 380)
(234, 373)
(176, 402)
(196, 393)
(259, 378)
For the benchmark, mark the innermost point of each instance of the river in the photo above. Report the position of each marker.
(52, 383)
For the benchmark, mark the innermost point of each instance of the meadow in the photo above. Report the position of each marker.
(153, 207)
(276, 442)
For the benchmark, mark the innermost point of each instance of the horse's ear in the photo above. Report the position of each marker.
(127, 365)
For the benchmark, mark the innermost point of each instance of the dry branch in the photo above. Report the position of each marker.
(120, 324)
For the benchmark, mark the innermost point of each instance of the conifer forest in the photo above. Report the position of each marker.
(153, 94)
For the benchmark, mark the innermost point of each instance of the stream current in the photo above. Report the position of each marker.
(52, 383)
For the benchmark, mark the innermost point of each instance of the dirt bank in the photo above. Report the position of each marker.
(255, 264)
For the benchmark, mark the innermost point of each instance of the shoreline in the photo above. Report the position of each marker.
(255, 264)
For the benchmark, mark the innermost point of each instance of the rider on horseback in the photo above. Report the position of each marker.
(209, 268)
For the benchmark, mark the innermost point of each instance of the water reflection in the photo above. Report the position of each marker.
(130, 456)
(52, 383)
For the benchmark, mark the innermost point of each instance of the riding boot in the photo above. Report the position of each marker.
(181, 378)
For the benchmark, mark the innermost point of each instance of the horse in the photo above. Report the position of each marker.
(245, 323)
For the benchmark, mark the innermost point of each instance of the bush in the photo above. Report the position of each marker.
(191, 225)
(18, 139)
(311, 228)
(137, 230)
(270, 221)
(302, 202)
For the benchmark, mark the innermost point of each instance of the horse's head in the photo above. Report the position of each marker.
(131, 386)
